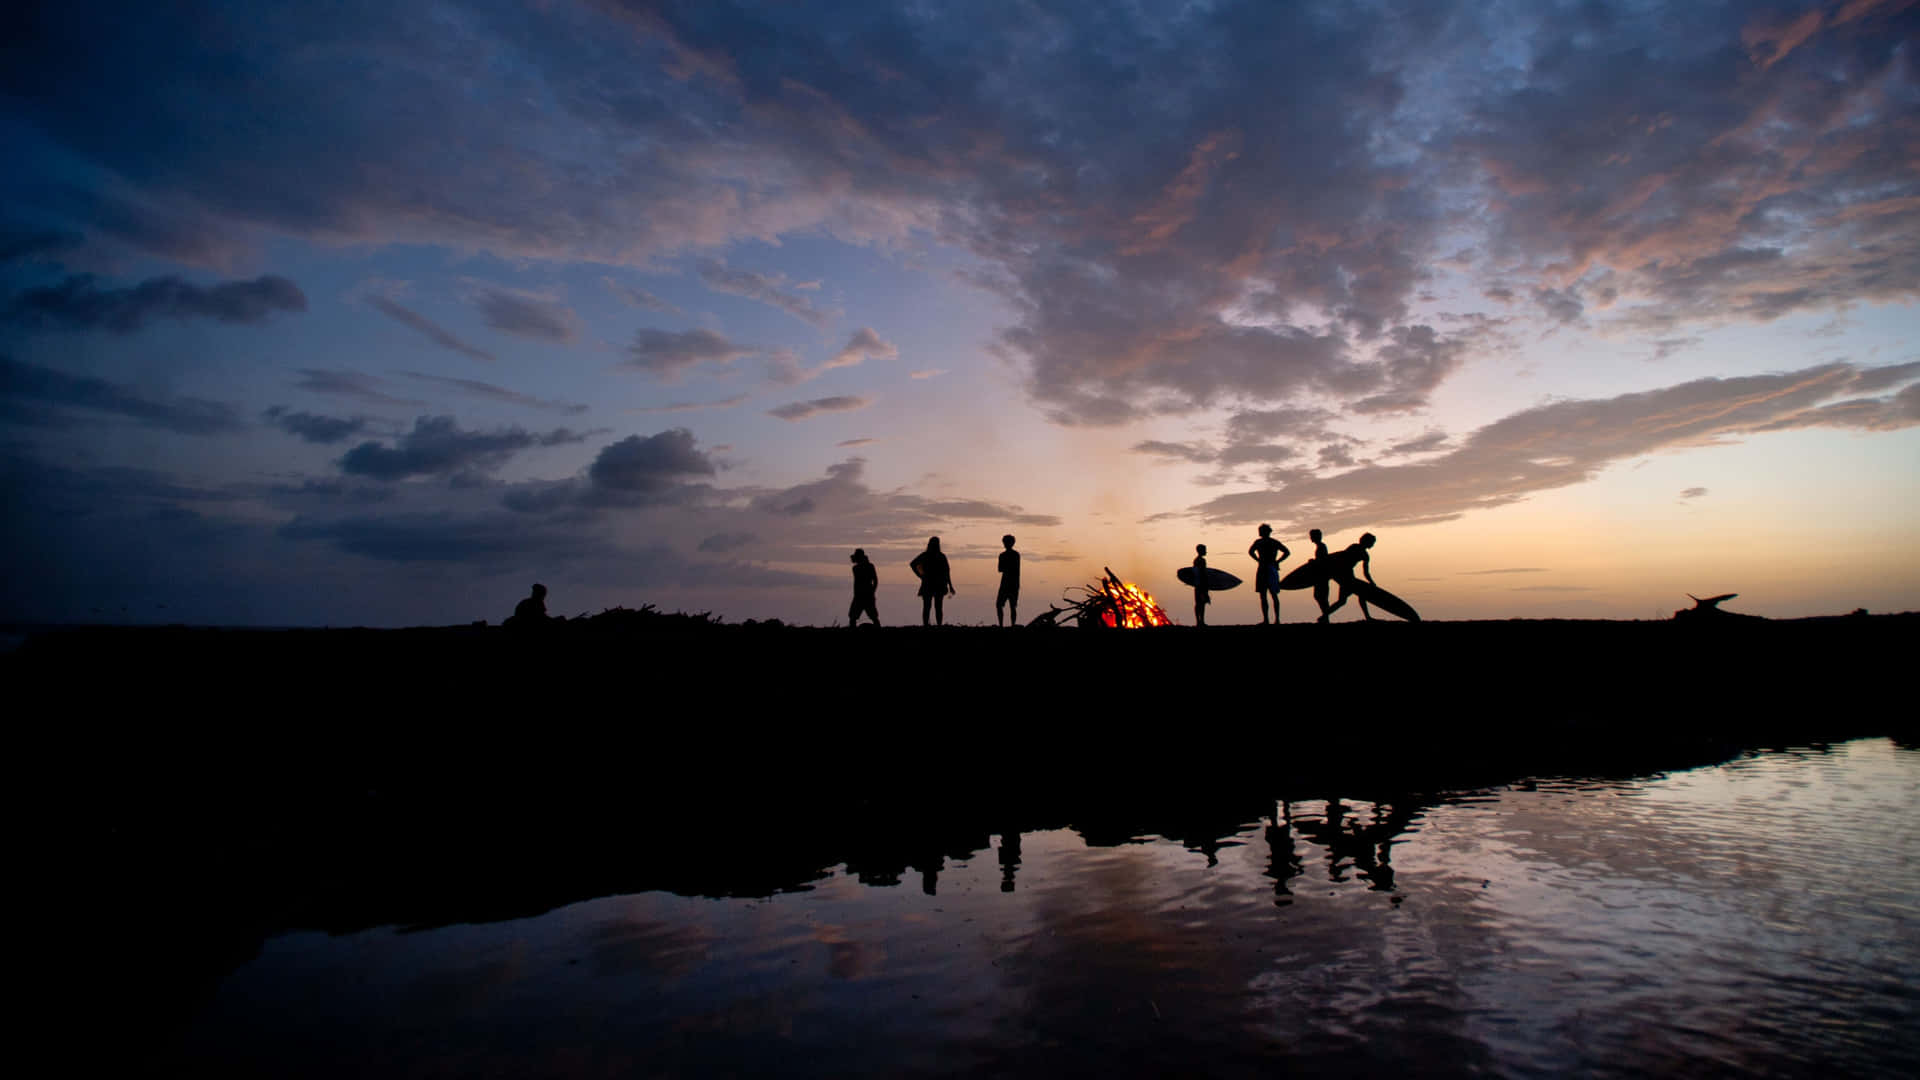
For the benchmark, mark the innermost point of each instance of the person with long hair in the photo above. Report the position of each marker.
(936, 581)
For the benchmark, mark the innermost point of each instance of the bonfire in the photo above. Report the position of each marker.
(1109, 603)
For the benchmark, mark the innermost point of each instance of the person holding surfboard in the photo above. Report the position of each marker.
(1200, 597)
(936, 581)
(1267, 554)
(1340, 569)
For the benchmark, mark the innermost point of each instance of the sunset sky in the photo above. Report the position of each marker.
(377, 313)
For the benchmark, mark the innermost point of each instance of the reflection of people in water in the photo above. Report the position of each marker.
(1200, 596)
(936, 581)
(1009, 595)
(530, 612)
(1341, 571)
(866, 583)
(1320, 584)
(1283, 864)
(1268, 554)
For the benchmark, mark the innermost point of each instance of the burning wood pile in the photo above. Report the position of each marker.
(1109, 603)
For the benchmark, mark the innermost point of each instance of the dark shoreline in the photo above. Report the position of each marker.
(230, 785)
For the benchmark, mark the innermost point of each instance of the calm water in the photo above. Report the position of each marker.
(1752, 918)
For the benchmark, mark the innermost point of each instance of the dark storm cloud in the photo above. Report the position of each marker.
(25, 386)
(83, 544)
(1701, 176)
(497, 393)
(801, 410)
(79, 304)
(441, 537)
(26, 243)
(845, 505)
(1873, 380)
(1567, 442)
(1183, 205)
(649, 464)
(527, 315)
(433, 331)
(721, 543)
(353, 384)
(769, 289)
(1432, 440)
(669, 354)
(314, 427)
(438, 447)
(503, 542)
(1192, 453)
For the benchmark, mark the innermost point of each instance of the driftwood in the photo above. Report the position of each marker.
(1709, 608)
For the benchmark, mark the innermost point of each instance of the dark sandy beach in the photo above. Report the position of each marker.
(240, 783)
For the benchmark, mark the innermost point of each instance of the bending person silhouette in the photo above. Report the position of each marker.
(936, 581)
(1267, 554)
(1201, 597)
(1009, 595)
(866, 583)
(1341, 567)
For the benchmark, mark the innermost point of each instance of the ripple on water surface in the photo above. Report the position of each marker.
(1750, 918)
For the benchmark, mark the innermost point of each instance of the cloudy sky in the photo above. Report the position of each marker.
(377, 313)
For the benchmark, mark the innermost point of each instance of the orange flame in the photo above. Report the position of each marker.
(1132, 607)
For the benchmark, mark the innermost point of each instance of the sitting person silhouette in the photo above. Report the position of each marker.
(1009, 595)
(530, 612)
(1268, 554)
(1201, 598)
(936, 581)
(866, 583)
(1341, 571)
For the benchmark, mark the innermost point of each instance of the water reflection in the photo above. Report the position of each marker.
(1753, 917)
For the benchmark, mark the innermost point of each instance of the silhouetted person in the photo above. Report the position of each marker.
(866, 582)
(936, 581)
(1268, 554)
(1320, 586)
(1009, 594)
(1201, 598)
(1341, 571)
(530, 612)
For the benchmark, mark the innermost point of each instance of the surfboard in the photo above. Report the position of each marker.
(1307, 575)
(1375, 596)
(1217, 580)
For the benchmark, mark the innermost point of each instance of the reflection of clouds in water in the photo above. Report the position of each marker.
(847, 958)
(461, 989)
(625, 946)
